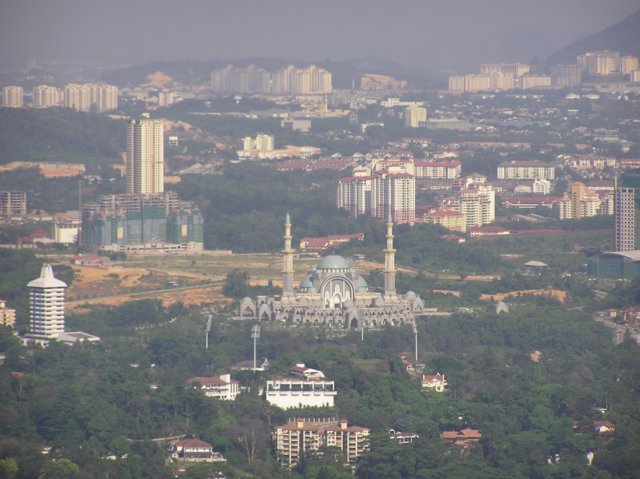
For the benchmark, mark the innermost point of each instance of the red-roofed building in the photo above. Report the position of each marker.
(630, 163)
(464, 438)
(484, 231)
(603, 427)
(324, 242)
(221, 387)
(447, 170)
(435, 382)
(38, 237)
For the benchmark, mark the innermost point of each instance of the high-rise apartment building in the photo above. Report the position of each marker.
(262, 142)
(625, 219)
(515, 69)
(46, 96)
(46, 304)
(584, 202)
(492, 76)
(354, 194)
(13, 203)
(414, 116)
(626, 212)
(86, 97)
(394, 194)
(145, 156)
(478, 203)
(7, 315)
(388, 190)
(566, 75)
(600, 63)
(469, 83)
(290, 80)
(627, 64)
(77, 97)
(577, 193)
(534, 81)
(131, 221)
(13, 96)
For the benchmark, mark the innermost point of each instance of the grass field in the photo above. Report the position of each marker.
(192, 280)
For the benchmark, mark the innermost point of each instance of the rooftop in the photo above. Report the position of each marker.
(46, 279)
(333, 262)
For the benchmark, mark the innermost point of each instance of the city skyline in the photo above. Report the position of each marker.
(423, 35)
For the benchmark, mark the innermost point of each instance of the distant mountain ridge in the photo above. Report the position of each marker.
(623, 37)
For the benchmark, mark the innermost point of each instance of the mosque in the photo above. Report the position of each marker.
(336, 295)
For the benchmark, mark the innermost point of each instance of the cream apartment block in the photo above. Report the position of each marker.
(442, 170)
(46, 96)
(87, 96)
(526, 170)
(13, 96)
(304, 436)
(144, 163)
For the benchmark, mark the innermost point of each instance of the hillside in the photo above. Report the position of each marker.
(623, 37)
(58, 135)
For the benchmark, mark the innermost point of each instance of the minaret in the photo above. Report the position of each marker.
(390, 264)
(287, 261)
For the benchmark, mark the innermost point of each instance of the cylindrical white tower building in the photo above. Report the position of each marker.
(46, 304)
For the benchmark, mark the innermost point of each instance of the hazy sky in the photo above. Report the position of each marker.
(417, 33)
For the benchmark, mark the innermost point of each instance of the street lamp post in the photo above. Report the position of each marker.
(255, 334)
(207, 331)
(415, 334)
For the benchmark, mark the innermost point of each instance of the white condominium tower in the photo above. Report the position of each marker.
(145, 156)
(45, 96)
(13, 96)
(85, 96)
(46, 304)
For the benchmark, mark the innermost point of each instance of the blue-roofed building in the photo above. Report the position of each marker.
(615, 264)
(334, 294)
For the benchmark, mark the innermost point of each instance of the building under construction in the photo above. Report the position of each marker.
(139, 223)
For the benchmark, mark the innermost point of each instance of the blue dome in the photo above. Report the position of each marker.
(361, 285)
(333, 262)
(307, 284)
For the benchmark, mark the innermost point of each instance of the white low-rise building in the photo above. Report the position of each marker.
(288, 393)
(301, 370)
(194, 450)
(435, 382)
(220, 387)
